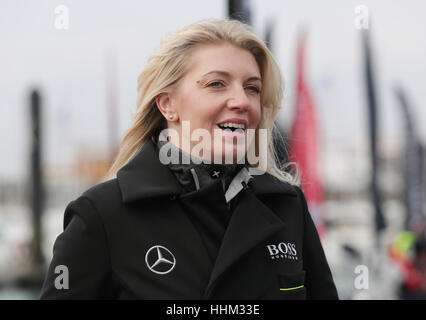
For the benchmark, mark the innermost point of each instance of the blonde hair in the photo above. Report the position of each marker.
(168, 64)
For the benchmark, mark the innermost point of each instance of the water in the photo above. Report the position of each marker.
(16, 293)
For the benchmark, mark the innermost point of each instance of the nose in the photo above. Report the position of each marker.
(239, 100)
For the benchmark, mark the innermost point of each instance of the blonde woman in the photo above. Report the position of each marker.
(195, 205)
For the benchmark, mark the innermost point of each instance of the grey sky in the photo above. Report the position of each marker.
(69, 65)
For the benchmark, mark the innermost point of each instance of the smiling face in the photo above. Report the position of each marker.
(219, 92)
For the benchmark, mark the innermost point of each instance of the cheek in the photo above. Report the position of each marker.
(255, 116)
(208, 114)
(201, 110)
(204, 119)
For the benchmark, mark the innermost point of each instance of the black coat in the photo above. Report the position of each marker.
(115, 233)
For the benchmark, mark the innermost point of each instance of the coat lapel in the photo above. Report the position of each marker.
(252, 222)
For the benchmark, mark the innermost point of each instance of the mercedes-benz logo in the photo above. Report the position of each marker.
(160, 260)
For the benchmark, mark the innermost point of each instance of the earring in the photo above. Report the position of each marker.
(170, 116)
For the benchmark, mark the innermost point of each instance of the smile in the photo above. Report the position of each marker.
(231, 127)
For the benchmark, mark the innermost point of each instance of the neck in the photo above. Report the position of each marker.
(185, 166)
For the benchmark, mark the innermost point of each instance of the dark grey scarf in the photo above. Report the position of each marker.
(195, 176)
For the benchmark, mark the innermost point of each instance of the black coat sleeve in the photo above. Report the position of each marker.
(81, 253)
(319, 281)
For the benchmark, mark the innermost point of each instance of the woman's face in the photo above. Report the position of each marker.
(220, 89)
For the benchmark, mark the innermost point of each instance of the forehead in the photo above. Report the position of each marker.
(236, 61)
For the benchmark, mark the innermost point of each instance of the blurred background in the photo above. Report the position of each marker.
(353, 118)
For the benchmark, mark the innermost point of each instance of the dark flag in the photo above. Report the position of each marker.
(373, 129)
(269, 33)
(37, 191)
(33, 272)
(279, 135)
(409, 247)
(239, 10)
(413, 170)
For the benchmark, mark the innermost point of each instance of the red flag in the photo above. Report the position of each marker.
(304, 141)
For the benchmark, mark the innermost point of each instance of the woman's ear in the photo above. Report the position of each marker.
(163, 102)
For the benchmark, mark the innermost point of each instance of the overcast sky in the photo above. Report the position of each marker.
(69, 65)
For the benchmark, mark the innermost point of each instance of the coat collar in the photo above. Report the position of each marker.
(144, 176)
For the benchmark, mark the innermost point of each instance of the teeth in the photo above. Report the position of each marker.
(232, 125)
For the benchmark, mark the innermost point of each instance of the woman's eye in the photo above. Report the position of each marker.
(254, 89)
(215, 84)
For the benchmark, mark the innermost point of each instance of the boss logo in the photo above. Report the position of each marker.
(282, 250)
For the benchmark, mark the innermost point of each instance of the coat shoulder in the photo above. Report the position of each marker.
(106, 191)
(267, 183)
(90, 205)
(104, 197)
(98, 204)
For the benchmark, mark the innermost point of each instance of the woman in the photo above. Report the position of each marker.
(183, 213)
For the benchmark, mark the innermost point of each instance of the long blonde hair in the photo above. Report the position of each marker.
(168, 64)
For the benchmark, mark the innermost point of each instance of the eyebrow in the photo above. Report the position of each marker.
(227, 74)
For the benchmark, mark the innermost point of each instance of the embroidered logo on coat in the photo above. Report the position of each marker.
(282, 251)
(160, 260)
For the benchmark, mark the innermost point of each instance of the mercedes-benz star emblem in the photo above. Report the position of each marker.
(160, 260)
